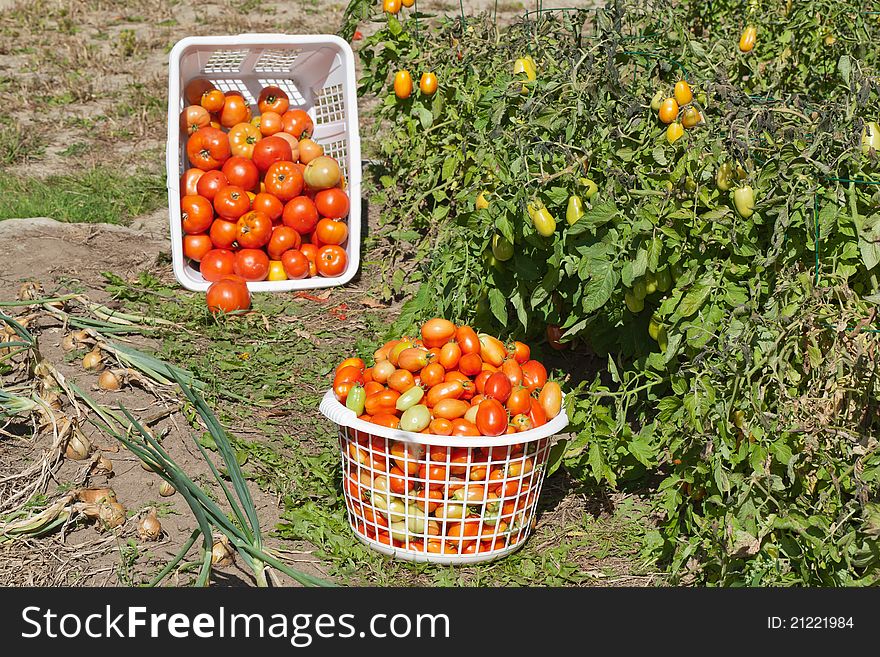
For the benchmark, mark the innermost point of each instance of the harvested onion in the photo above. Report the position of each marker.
(166, 489)
(109, 381)
(95, 495)
(149, 528)
(78, 446)
(93, 360)
(68, 343)
(112, 514)
(103, 466)
(221, 555)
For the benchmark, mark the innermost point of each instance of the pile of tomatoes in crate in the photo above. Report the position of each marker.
(261, 201)
(450, 382)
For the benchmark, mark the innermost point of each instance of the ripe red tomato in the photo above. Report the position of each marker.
(228, 295)
(284, 180)
(270, 123)
(534, 375)
(270, 150)
(254, 230)
(211, 183)
(208, 148)
(467, 340)
(251, 264)
(223, 233)
(189, 181)
(242, 172)
(196, 246)
(332, 203)
(197, 214)
(194, 117)
(235, 110)
(470, 364)
(519, 401)
(491, 418)
(216, 264)
(273, 99)
(231, 202)
(295, 264)
(536, 413)
(521, 352)
(498, 387)
(297, 122)
(331, 260)
(310, 251)
(300, 214)
(213, 100)
(269, 204)
(330, 231)
(283, 239)
(195, 89)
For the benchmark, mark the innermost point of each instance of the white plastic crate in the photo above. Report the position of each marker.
(500, 510)
(317, 72)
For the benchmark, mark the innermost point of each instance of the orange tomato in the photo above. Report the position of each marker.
(428, 84)
(432, 374)
(403, 84)
(450, 409)
(668, 110)
(235, 110)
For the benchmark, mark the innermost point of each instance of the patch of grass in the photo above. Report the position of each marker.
(75, 150)
(18, 144)
(92, 196)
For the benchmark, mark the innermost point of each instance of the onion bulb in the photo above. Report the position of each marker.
(93, 360)
(103, 466)
(68, 343)
(95, 495)
(166, 489)
(112, 514)
(149, 528)
(221, 555)
(78, 446)
(109, 381)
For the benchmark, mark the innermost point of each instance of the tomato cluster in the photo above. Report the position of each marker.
(677, 111)
(451, 381)
(261, 200)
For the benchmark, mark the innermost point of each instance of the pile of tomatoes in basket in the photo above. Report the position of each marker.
(446, 498)
(260, 200)
(451, 382)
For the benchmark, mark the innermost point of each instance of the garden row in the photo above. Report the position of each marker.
(720, 268)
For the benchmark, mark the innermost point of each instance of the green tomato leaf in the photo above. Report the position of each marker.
(696, 296)
(498, 304)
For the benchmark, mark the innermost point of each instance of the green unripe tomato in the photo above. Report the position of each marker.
(639, 289)
(633, 303)
(664, 280)
(415, 418)
(744, 201)
(502, 249)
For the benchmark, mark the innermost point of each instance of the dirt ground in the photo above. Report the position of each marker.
(104, 81)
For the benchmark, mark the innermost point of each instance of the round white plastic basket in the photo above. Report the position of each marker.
(397, 484)
(317, 72)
